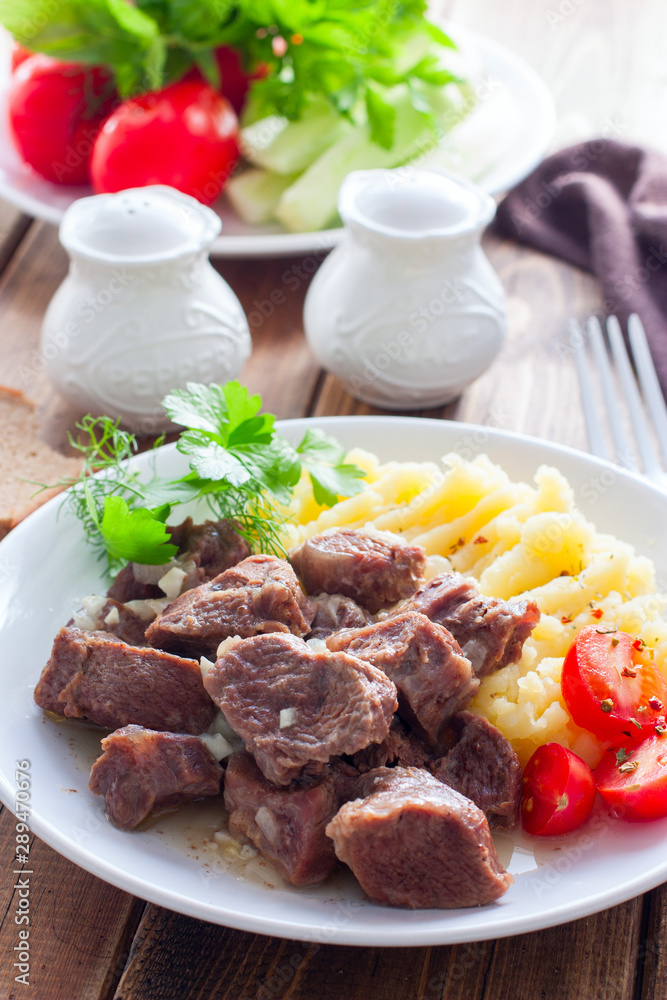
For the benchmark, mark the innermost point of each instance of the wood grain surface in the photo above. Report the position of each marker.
(605, 63)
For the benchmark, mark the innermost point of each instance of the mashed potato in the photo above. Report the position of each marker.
(516, 540)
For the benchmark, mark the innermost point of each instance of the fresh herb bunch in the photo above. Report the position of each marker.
(351, 52)
(239, 466)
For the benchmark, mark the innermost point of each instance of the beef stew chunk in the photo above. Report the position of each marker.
(95, 676)
(336, 612)
(399, 748)
(491, 632)
(113, 618)
(260, 594)
(209, 549)
(483, 766)
(424, 661)
(296, 708)
(375, 569)
(286, 824)
(141, 771)
(412, 841)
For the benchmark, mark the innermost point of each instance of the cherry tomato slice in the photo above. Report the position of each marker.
(608, 690)
(558, 791)
(634, 782)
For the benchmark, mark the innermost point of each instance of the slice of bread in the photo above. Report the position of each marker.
(24, 457)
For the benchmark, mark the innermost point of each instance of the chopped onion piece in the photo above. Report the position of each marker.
(113, 617)
(87, 617)
(287, 717)
(220, 725)
(266, 821)
(205, 665)
(227, 644)
(217, 744)
(145, 573)
(171, 583)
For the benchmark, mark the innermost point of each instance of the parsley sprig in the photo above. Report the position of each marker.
(238, 466)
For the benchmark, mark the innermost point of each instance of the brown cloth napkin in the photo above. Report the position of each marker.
(602, 205)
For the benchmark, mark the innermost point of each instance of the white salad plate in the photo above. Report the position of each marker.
(531, 130)
(46, 567)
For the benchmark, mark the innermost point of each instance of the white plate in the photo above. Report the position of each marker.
(536, 115)
(45, 567)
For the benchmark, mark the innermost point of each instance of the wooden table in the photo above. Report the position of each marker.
(604, 60)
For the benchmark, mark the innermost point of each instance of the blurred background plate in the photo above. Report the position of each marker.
(524, 143)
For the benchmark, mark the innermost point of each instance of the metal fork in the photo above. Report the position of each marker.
(646, 410)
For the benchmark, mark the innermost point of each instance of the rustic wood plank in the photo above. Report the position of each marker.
(281, 367)
(181, 957)
(595, 958)
(13, 227)
(32, 276)
(652, 955)
(80, 927)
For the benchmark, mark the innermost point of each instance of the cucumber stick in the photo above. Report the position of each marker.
(255, 194)
(310, 202)
(290, 147)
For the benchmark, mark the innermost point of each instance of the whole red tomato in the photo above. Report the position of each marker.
(185, 135)
(55, 112)
(234, 81)
(19, 55)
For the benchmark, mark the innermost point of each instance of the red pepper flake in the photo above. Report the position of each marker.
(480, 540)
(628, 672)
(660, 727)
(655, 704)
(565, 621)
(629, 766)
(457, 545)
(597, 612)
(638, 644)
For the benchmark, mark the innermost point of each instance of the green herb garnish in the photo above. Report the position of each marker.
(239, 467)
(349, 53)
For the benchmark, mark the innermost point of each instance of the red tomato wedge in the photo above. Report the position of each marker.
(609, 690)
(634, 782)
(558, 791)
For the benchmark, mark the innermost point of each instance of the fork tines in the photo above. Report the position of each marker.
(618, 382)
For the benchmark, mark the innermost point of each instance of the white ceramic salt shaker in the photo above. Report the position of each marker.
(141, 311)
(407, 310)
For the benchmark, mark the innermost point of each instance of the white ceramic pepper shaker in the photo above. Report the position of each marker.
(407, 310)
(142, 310)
